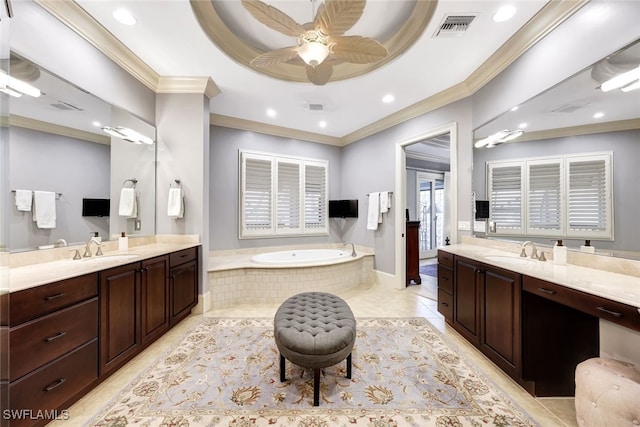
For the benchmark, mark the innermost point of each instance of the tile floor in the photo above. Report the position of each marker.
(365, 302)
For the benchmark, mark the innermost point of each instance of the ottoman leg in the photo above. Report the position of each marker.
(282, 375)
(349, 366)
(316, 386)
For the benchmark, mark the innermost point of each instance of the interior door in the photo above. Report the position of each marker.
(430, 208)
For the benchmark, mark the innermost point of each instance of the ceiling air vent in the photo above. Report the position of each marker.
(454, 25)
(569, 108)
(313, 107)
(61, 105)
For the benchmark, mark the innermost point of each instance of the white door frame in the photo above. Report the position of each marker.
(400, 195)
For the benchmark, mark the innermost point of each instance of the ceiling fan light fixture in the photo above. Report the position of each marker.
(313, 53)
(11, 84)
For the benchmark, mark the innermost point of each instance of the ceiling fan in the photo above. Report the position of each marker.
(321, 42)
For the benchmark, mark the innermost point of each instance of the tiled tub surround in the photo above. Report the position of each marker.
(234, 279)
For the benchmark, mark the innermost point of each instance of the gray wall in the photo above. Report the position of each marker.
(223, 187)
(626, 191)
(73, 167)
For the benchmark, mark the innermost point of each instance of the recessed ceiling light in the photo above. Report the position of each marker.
(125, 17)
(598, 115)
(271, 112)
(322, 124)
(388, 98)
(505, 13)
(522, 125)
(97, 124)
(515, 108)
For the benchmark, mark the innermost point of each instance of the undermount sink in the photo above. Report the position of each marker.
(114, 257)
(509, 259)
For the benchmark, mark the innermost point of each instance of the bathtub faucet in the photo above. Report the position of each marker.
(353, 249)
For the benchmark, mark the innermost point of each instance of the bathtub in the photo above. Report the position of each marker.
(247, 277)
(307, 257)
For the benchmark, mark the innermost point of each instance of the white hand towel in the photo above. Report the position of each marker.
(374, 211)
(44, 209)
(23, 200)
(128, 205)
(175, 205)
(385, 202)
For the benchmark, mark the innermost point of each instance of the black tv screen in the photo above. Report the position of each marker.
(95, 207)
(343, 208)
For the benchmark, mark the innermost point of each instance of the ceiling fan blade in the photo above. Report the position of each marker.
(335, 17)
(358, 49)
(320, 74)
(274, 57)
(273, 18)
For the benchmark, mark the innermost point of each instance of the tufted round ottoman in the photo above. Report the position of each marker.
(314, 330)
(607, 393)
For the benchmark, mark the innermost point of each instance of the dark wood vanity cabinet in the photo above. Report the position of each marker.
(445, 285)
(183, 283)
(154, 288)
(413, 253)
(466, 298)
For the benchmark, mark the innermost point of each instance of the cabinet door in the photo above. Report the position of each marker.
(119, 316)
(501, 319)
(155, 298)
(466, 299)
(184, 290)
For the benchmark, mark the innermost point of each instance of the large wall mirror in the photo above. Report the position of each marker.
(71, 143)
(574, 117)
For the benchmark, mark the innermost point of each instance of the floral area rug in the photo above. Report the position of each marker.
(225, 372)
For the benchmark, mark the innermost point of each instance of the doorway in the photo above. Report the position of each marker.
(431, 212)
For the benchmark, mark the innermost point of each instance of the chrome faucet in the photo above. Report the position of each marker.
(60, 243)
(87, 249)
(353, 249)
(534, 251)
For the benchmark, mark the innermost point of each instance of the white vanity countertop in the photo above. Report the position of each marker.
(47, 272)
(613, 286)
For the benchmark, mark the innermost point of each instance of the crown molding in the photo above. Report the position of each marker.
(616, 126)
(76, 18)
(33, 124)
(250, 125)
(546, 20)
(202, 85)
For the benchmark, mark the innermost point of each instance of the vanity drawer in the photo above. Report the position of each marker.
(57, 383)
(35, 343)
(613, 311)
(445, 305)
(180, 257)
(445, 279)
(445, 258)
(35, 302)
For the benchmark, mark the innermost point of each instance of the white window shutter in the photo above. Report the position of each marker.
(288, 196)
(315, 197)
(545, 188)
(505, 189)
(256, 198)
(590, 196)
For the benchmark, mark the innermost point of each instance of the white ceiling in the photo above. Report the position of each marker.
(169, 39)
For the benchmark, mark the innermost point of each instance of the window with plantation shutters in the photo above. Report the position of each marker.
(505, 191)
(589, 197)
(282, 196)
(544, 197)
(559, 196)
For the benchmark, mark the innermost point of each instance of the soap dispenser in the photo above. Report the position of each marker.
(559, 253)
(587, 247)
(123, 242)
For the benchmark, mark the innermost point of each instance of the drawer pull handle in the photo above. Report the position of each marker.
(184, 255)
(613, 313)
(444, 278)
(56, 336)
(547, 291)
(52, 297)
(54, 385)
(445, 304)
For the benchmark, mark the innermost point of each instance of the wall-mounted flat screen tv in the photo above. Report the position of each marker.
(95, 207)
(343, 208)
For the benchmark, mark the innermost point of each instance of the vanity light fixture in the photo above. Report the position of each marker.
(621, 80)
(505, 13)
(632, 86)
(16, 87)
(125, 17)
(127, 134)
(497, 138)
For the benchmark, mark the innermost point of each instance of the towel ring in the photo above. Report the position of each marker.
(132, 180)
